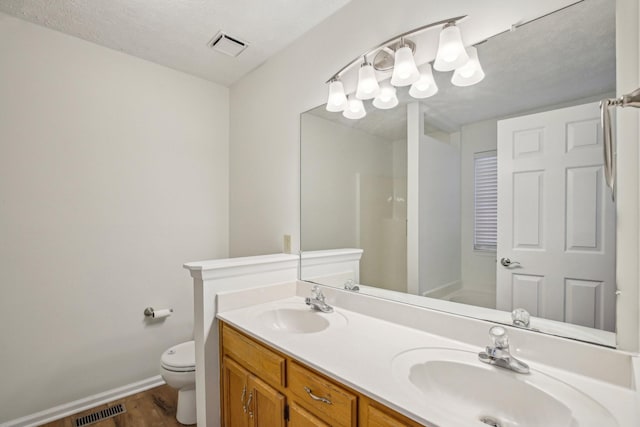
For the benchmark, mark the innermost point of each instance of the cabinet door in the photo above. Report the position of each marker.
(372, 416)
(299, 417)
(235, 394)
(265, 404)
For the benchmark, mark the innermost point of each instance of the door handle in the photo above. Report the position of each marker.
(506, 262)
(249, 404)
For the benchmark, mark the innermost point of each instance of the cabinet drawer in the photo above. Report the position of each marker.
(259, 360)
(324, 398)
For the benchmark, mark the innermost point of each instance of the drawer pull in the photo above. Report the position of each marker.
(318, 398)
(244, 393)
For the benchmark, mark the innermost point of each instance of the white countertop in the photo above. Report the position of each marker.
(358, 350)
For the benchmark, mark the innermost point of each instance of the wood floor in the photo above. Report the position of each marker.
(155, 407)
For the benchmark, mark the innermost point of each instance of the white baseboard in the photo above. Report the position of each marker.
(443, 290)
(71, 408)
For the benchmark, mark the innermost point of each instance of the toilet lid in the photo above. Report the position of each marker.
(180, 357)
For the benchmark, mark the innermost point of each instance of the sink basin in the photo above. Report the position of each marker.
(456, 384)
(298, 319)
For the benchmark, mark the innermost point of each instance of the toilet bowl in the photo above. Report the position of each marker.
(178, 369)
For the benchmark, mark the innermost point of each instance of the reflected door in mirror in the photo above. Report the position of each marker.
(556, 220)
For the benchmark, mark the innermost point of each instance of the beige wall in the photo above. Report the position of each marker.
(336, 155)
(478, 268)
(348, 185)
(113, 173)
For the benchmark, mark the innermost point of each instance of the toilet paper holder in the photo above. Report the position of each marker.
(150, 312)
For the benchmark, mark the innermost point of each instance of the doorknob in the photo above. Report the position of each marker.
(506, 262)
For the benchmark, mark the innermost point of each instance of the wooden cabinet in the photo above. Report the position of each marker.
(255, 357)
(234, 393)
(322, 397)
(373, 414)
(264, 388)
(299, 417)
(247, 401)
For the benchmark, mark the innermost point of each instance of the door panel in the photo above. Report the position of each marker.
(555, 218)
(299, 417)
(235, 393)
(266, 408)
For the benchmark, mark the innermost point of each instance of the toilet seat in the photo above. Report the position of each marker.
(180, 358)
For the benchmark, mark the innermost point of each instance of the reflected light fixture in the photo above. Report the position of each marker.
(387, 98)
(368, 86)
(337, 100)
(396, 57)
(355, 108)
(451, 52)
(471, 72)
(426, 85)
(405, 71)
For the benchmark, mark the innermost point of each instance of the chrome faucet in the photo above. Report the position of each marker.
(349, 285)
(317, 302)
(499, 355)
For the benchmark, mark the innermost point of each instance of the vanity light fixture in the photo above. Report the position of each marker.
(355, 108)
(426, 85)
(368, 86)
(387, 98)
(396, 57)
(451, 52)
(471, 72)
(337, 100)
(405, 71)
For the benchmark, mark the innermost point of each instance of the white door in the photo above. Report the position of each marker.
(555, 218)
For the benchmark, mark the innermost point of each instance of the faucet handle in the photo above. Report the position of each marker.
(351, 286)
(499, 337)
(520, 317)
(317, 293)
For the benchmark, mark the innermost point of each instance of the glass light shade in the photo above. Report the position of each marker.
(426, 85)
(451, 52)
(337, 100)
(405, 71)
(355, 108)
(471, 72)
(387, 98)
(368, 86)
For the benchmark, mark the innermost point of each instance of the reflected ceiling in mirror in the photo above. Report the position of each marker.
(401, 187)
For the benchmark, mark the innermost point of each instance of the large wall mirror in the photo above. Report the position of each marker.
(479, 200)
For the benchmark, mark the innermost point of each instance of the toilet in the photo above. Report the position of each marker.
(178, 369)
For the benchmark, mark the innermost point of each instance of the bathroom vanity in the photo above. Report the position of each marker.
(263, 386)
(283, 361)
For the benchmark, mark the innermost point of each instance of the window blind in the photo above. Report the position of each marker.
(485, 235)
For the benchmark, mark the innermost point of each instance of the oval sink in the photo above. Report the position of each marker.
(299, 320)
(457, 383)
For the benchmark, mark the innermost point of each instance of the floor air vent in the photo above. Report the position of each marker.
(100, 415)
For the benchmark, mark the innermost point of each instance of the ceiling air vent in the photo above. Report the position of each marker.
(228, 45)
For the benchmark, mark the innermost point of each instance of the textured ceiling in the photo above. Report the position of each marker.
(175, 33)
(566, 56)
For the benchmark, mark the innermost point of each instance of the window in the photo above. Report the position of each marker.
(485, 233)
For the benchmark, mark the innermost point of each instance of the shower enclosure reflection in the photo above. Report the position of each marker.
(436, 193)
